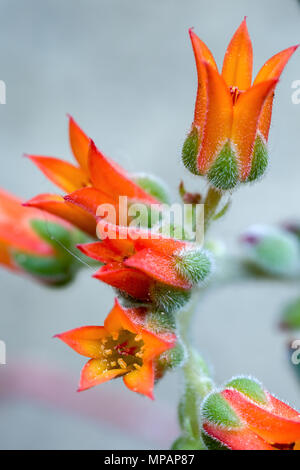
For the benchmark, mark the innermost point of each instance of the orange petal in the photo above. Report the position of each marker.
(219, 119)
(155, 344)
(5, 257)
(157, 266)
(85, 340)
(121, 318)
(271, 69)
(240, 439)
(142, 380)
(110, 179)
(56, 204)
(202, 53)
(134, 283)
(79, 142)
(267, 423)
(245, 123)
(238, 60)
(95, 373)
(90, 200)
(65, 175)
(100, 252)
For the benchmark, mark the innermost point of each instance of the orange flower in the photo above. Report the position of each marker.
(227, 142)
(95, 180)
(142, 264)
(244, 416)
(123, 347)
(33, 241)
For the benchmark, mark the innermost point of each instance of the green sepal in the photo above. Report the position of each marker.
(153, 186)
(190, 151)
(291, 315)
(194, 266)
(217, 410)
(259, 159)
(249, 387)
(212, 444)
(172, 358)
(53, 233)
(224, 173)
(168, 299)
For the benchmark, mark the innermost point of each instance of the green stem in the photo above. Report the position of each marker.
(212, 200)
(197, 381)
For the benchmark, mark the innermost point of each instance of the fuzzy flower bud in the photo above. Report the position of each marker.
(244, 416)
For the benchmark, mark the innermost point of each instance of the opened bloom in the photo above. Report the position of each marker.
(123, 347)
(94, 180)
(148, 266)
(35, 242)
(227, 142)
(244, 416)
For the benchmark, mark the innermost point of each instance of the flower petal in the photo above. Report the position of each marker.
(134, 283)
(240, 439)
(219, 119)
(90, 200)
(271, 69)
(110, 179)
(85, 340)
(270, 426)
(238, 60)
(159, 267)
(121, 318)
(142, 380)
(202, 53)
(65, 175)
(95, 373)
(245, 122)
(56, 204)
(5, 257)
(79, 142)
(100, 252)
(156, 344)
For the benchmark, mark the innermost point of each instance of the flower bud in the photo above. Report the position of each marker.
(272, 250)
(153, 185)
(291, 315)
(168, 299)
(244, 416)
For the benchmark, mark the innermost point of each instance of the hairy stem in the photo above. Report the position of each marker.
(211, 202)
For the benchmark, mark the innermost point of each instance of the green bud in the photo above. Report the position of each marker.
(259, 160)
(55, 234)
(224, 173)
(291, 315)
(272, 250)
(215, 409)
(194, 265)
(249, 387)
(153, 186)
(190, 151)
(48, 269)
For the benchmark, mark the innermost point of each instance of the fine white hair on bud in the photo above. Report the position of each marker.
(194, 265)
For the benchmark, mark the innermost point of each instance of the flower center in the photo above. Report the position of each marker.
(124, 350)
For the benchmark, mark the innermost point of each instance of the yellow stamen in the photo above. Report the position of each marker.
(136, 366)
(113, 363)
(122, 364)
(108, 352)
(138, 338)
(139, 354)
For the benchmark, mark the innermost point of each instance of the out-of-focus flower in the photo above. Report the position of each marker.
(227, 142)
(123, 347)
(36, 243)
(272, 250)
(94, 181)
(148, 266)
(244, 416)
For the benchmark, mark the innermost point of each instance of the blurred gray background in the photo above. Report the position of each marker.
(125, 70)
